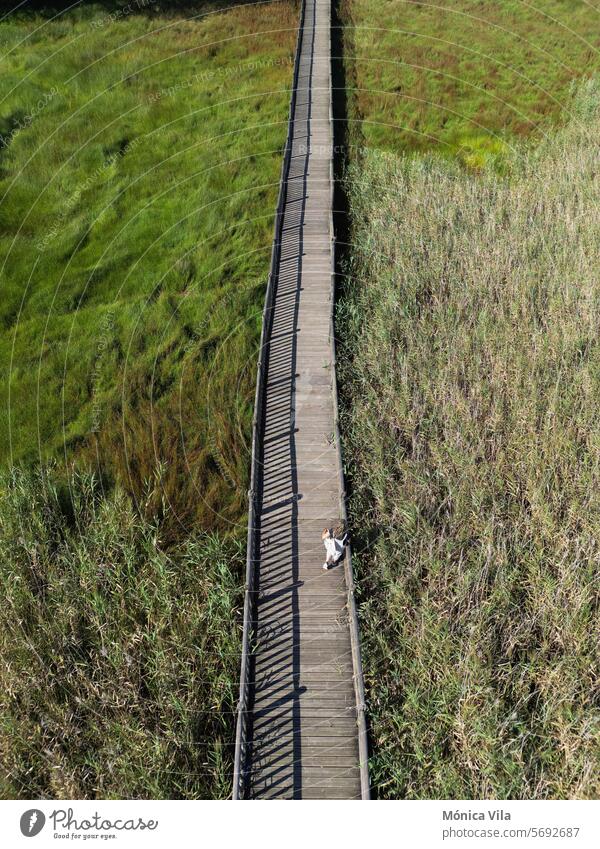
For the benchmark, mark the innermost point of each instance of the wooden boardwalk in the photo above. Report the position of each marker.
(301, 726)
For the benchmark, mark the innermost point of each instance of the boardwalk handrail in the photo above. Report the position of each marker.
(241, 738)
(359, 685)
(239, 776)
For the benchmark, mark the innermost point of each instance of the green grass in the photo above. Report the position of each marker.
(139, 167)
(119, 657)
(464, 77)
(470, 371)
(139, 178)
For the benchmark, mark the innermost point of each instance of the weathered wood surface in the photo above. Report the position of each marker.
(301, 724)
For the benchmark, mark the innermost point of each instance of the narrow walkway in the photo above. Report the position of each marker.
(300, 731)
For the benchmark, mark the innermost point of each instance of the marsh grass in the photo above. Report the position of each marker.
(135, 235)
(139, 171)
(462, 77)
(470, 372)
(119, 653)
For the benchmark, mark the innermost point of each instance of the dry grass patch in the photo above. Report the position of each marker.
(471, 379)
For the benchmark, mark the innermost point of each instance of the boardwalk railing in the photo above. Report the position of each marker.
(240, 777)
(359, 686)
(241, 736)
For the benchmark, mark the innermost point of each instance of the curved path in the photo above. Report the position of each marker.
(301, 730)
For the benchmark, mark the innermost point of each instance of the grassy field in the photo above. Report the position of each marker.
(139, 163)
(461, 76)
(139, 177)
(470, 373)
(119, 656)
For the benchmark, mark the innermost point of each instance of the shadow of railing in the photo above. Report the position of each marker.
(271, 340)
